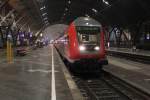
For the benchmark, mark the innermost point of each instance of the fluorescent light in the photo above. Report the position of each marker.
(94, 10)
(66, 9)
(106, 2)
(41, 34)
(87, 23)
(42, 8)
(45, 18)
(44, 14)
(69, 2)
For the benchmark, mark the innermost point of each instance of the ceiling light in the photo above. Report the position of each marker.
(41, 34)
(106, 2)
(87, 23)
(42, 8)
(44, 14)
(94, 10)
(66, 9)
(69, 2)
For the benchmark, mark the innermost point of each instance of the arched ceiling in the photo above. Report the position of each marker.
(116, 12)
(122, 12)
(42, 13)
(108, 12)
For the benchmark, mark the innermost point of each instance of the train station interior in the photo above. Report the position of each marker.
(74, 50)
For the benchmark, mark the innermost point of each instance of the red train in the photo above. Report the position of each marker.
(83, 41)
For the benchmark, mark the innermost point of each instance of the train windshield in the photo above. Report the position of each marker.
(88, 34)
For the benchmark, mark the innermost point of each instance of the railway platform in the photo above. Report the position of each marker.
(129, 51)
(134, 73)
(40, 75)
(138, 55)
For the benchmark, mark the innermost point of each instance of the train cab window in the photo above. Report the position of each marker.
(84, 37)
(88, 35)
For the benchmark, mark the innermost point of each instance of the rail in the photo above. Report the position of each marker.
(131, 56)
(108, 87)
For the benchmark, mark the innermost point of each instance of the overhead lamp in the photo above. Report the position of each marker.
(94, 10)
(87, 23)
(22, 35)
(9, 36)
(44, 14)
(106, 2)
(69, 2)
(41, 35)
(66, 9)
(42, 8)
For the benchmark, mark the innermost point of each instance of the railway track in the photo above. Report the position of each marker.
(134, 57)
(107, 87)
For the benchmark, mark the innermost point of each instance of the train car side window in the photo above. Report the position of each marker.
(66, 39)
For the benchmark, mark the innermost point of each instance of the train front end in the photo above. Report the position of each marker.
(87, 43)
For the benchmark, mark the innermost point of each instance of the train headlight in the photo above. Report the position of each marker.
(82, 48)
(97, 48)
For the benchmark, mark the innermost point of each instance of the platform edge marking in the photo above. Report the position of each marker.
(75, 92)
(53, 91)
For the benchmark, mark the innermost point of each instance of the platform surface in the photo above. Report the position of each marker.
(130, 51)
(37, 76)
(132, 72)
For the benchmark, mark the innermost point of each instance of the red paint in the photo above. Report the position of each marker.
(73, 52)
(72, 48)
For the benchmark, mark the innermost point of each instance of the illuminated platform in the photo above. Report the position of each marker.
(130, 51)
(37, 76)
(134, 73)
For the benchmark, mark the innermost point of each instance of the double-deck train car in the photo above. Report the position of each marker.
(83, 41)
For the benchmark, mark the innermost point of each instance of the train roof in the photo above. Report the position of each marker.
(86, 21)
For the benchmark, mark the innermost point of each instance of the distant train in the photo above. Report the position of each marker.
(83, 41)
